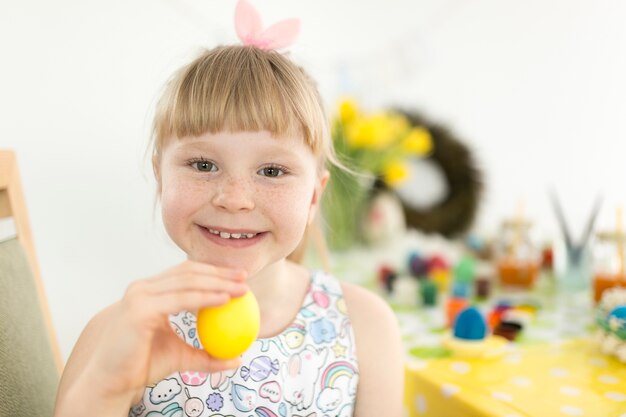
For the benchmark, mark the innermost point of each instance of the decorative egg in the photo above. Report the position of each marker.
(228, 330)
(617, 318)
(437, 262)
(470, 325)
(465, 269)
(418, 265)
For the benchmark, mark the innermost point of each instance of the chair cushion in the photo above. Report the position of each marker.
(28, 377)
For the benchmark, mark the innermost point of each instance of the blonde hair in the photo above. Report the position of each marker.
(242, 88)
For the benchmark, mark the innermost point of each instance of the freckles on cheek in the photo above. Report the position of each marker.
(177, 196)
(290, 203)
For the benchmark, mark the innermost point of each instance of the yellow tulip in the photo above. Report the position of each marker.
(348, 110)
(418, 141)
(375, 132)
(395, 173)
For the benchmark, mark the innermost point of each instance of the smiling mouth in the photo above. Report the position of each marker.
(226, 235)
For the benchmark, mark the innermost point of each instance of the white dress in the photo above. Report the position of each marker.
(309, 370)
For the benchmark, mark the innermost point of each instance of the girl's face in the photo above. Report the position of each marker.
(239, 200)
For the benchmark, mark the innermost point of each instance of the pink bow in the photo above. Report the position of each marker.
(250, 29)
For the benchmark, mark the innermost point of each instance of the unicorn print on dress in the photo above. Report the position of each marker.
(310, 369)
(260, 368)
(296, 390)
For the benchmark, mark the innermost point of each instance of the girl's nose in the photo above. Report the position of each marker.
(234, 195)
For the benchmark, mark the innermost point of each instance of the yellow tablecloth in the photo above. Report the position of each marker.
(552, 370)
(547, 380)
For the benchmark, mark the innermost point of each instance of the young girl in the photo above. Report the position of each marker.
(240, 147)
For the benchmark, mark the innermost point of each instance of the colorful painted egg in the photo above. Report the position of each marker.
(470, 325)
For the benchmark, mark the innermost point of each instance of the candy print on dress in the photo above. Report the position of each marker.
(260, 368)
(320, 299)
(271, 391)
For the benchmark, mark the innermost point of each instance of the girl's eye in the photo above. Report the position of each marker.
(203, 166)
(272, 171)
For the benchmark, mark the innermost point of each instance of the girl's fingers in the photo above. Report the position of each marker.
(199, 360)
(204, 269)
(197, 282)
(150, 311)
(185, 300)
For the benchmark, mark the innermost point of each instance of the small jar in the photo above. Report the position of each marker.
(517, 256)
(609, 253)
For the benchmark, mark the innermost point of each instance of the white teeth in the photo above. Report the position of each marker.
(226, 235)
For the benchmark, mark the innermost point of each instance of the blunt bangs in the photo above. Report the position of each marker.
(241, 88)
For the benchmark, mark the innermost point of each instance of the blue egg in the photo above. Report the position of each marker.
(618, 313)
(470, 325)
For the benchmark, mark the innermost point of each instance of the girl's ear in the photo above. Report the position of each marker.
(317, 195)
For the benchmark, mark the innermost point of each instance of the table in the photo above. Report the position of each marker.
(553, 369)
(569, 378)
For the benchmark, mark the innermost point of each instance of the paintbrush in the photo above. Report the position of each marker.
(575, 249)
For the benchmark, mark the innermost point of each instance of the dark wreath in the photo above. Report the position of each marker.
(455, 213)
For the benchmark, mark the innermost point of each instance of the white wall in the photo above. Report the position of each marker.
(536, 87)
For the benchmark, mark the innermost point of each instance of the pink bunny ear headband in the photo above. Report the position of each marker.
(250, 29)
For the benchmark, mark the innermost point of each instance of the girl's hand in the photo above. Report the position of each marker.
(137, 347)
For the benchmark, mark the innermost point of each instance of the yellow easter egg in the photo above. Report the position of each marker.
(228, 330)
